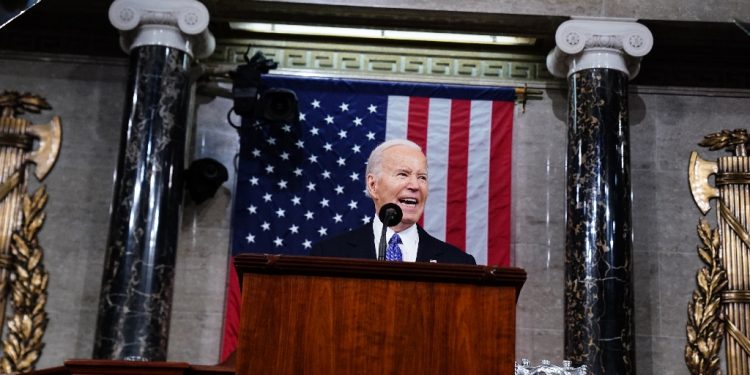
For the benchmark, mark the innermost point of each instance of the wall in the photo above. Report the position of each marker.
(665, 126)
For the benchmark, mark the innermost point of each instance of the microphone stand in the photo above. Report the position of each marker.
(381, 246)
(390, 214)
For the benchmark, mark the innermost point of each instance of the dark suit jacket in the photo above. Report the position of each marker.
(359, 243)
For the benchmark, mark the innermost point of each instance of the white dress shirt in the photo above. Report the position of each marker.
(409, 239)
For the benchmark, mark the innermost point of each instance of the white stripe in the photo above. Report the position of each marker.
(397, 117)
(478, 184)
(438, 137)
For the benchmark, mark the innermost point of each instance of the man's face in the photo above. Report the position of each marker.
(402, 180)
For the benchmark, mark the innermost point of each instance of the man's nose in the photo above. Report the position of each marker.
(413, 183)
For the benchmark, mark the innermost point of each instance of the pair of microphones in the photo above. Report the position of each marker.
(390, 214)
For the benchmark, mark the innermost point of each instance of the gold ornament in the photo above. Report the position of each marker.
(726, 252)
(22, 274)
(732, 140)
(23, 345)
(705, 327)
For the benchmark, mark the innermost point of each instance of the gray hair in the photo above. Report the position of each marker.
(375, 160)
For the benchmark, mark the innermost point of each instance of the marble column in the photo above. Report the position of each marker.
(162, 38)
(598, 57)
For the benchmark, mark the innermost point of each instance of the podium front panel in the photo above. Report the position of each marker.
(294, 321)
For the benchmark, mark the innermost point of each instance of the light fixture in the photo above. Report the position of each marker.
(352, 32)
(744, 26)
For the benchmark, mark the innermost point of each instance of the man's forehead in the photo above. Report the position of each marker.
(414, 162)
(403, 151)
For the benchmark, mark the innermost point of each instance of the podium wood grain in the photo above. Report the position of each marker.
(305, 315)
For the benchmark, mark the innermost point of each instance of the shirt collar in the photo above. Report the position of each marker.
(409, 236)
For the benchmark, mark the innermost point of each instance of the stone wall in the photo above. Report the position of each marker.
(665, 126)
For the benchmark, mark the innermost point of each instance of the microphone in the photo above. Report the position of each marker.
(390, 214)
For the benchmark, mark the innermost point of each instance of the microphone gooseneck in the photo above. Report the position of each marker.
(390, 214)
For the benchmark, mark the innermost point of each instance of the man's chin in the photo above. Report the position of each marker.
(401, 226)
(409, 220)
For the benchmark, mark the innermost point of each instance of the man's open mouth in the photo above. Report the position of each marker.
(409, 202)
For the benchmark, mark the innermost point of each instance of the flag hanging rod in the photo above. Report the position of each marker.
(523, 94)
(216, 74)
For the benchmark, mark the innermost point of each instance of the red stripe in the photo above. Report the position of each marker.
(458, 165)
(419, 109)
(231, 313)
(498, 215)
(416, 132)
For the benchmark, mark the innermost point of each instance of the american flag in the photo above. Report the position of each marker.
(297, 184)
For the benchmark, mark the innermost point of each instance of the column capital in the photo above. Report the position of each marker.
(610, 43)
(181, 24)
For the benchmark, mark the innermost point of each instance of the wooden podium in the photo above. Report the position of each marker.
(314, 315)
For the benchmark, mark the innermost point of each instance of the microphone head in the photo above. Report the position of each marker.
(390, 214)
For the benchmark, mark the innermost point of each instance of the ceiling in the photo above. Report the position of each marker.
(703, 54)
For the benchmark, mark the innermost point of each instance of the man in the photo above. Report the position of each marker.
(396, 173)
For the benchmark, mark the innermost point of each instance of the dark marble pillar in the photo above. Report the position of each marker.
(599, 57)
(137, 283)
(136, 290)
(598, 286)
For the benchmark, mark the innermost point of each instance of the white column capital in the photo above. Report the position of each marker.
(610, 43)
(180, 24)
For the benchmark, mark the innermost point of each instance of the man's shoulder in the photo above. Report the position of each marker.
(333, 245)
(448, 253)
(353, 234)
(428, 240)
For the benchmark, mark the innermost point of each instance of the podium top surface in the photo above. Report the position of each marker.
(375, 269)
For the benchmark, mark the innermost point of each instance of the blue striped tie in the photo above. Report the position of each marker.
(393, 252)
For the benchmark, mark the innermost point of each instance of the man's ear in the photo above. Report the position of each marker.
(371, 184)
